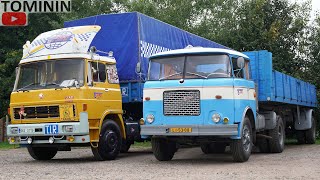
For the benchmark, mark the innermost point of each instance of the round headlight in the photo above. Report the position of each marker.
(216, 117)
(150, 118)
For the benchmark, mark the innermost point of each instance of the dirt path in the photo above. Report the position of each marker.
(296, 162)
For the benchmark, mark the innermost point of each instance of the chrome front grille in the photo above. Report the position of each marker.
(181, 103)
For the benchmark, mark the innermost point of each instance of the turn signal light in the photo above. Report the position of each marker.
(218, 96)
(84, 107)
(254, 94)
(9, 110)
(147, 98)
(70, 138)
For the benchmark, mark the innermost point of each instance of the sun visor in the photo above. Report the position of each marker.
(61, 41)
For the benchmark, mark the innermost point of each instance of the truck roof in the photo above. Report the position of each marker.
(194, 50)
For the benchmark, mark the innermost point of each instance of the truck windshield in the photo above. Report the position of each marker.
(50, 74)
(190, 67)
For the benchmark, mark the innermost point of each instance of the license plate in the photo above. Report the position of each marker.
(51, 129)
(26, 130)
(180, 130)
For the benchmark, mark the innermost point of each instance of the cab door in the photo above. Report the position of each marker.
(243, 90)
(103, 92)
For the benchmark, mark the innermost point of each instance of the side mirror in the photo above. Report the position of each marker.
(138, 67)
(240, 62)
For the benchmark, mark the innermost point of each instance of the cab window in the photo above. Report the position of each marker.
(237, 71)
(112, 74)
(98, 72)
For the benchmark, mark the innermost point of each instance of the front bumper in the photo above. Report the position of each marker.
(197, 130)
(80, 132)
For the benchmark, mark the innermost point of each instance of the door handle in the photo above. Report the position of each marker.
(106, 90)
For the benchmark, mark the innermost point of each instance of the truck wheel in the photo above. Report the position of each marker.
(109, 142)
(42, 153)
(213, 148)
(311, 133)
(276, 143)
(163, 149)
(241, 148)
(125, 146)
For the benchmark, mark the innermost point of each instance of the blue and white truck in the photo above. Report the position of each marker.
(213, 97)
(217, 97)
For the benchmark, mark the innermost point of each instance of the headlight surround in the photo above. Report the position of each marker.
(150, 118)
(14, 130)
(216, 117)
(68, 128)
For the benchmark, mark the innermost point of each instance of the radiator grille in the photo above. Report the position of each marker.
(181, 103)
(37, 112)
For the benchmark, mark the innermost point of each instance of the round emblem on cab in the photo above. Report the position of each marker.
(41, 96)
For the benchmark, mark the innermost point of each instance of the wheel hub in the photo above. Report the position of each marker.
(246, 140)
(111, 140)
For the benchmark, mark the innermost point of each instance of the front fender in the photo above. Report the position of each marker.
(240, 127)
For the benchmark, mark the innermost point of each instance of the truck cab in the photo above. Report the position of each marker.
(200, 96)
(65, 96)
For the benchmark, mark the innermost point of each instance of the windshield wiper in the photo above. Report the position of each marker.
(170, 75)
(196, 75)
(50, 84)
(31, 84)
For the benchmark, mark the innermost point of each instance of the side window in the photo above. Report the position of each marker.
(98, 72)
(112, 74)
(238, 73)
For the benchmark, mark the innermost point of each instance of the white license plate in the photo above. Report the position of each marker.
(26, 130)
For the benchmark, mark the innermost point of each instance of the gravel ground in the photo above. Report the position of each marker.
(296, 162)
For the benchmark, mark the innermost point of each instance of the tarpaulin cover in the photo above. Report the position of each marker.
(133, 37)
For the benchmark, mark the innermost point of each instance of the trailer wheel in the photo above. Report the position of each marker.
(125, 146)
(310, 134)
(241, 148)
(109, 142)
(213, 148)
(163, 149)
(276, 143)
(42, 153)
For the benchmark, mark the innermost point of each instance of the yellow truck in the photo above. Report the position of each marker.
(65, 96)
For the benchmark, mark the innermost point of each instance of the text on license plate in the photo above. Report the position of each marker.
(180, 130)
(51, 129)
(25, 130)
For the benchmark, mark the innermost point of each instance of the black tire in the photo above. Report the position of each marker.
(42, 153)
(310, 134)
(276, 143)
(213, 148)
(163, 149)
(125, 146)
(241, 148)
(109, 142)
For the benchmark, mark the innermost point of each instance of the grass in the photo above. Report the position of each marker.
(6, 145)
(142, 144)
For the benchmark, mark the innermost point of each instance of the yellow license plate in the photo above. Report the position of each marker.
(181, 130)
